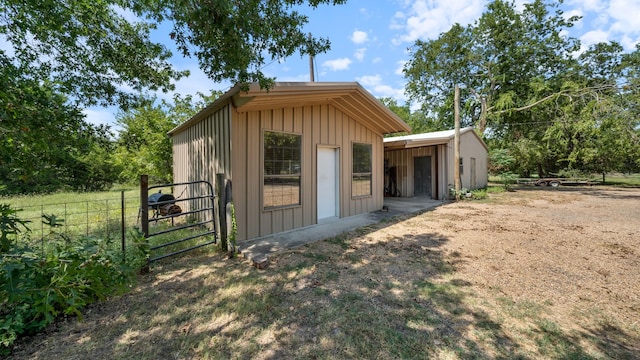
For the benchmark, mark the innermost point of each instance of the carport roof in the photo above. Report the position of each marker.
(425, 139)
(349, 97)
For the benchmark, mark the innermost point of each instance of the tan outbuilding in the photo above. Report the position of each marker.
(423, 164)
(296, 155)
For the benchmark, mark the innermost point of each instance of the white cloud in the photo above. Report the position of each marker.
(400, 67)
(370, 80)
(376, 60)
(593, 37)
(571, 13)
(429, 18)
(588, 5)
(607, 21)
(127, 14)
(601, 20)
(359, 37)
(359, 54)
(196, 82)
(625, 14)
(6, 46)
(374, 84)
(337, 64)
(100, 116)
(397, 22)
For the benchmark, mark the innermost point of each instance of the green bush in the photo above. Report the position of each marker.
(479, 194)
(571, 173)
(10, 227)
(495, 189)
(35, 289)
(507, 179)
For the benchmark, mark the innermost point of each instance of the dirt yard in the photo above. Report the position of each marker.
(535, 273)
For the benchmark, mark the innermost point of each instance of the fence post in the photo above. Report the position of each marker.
(222, 217)
(122, 226)
(144, 213)
(106, 204)
(42, 229)
(87, 218)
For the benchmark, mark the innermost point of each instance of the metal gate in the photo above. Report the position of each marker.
(200, 205)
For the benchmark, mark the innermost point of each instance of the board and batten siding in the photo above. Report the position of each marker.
(402, 159)
(470, 147)
(320, 125)
(201, 151)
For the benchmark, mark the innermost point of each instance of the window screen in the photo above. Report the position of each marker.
(361, 174)
(282, 169)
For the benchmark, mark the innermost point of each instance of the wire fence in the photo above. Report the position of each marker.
(111, 219)
(116, 219)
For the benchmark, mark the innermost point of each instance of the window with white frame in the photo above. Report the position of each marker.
(282, 169)
(361, 177)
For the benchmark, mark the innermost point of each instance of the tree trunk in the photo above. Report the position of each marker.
(482, 124)
(540, 172)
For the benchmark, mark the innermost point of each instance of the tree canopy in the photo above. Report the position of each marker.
(65, 55)
(527, 87)
(234, 39)
(45, 141)
(143, 146)
(101, 52)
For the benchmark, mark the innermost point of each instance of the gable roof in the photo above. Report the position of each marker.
(349, 97)
(427, 139)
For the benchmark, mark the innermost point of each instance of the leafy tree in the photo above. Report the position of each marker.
(97, 54)
(416, 119)
(64, 55)
(234, 39)
(506, 60)
(93, 52)
(522, 81)
(44, 137)
(143, 146)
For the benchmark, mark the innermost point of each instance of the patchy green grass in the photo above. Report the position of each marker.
(350, 296)
(309, 307)
(96, 214)
(624, 180)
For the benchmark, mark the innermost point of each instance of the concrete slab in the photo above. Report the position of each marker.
(257, 249)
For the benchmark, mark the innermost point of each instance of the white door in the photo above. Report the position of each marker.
(473, 173)
(327, 196)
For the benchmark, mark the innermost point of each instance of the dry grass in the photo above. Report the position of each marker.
(531, 274)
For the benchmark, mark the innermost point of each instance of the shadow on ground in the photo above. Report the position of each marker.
(350, 296)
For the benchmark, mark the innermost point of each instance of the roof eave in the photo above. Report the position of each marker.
(215, 105)
(350, 97)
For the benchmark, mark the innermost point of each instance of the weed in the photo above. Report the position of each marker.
(316, 256)
(341, 240)
(321, 292)
(331, 276)
(35, 289)
(353, 258)
(495, 189)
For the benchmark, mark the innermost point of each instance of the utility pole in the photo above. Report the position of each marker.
(311, 69)
(456, 141)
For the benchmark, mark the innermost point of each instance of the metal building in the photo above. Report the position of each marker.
(297, 155)
(423, 164)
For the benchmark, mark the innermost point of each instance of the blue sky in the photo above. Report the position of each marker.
(370, 39)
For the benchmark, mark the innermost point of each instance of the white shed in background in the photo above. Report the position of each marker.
(423, 164)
